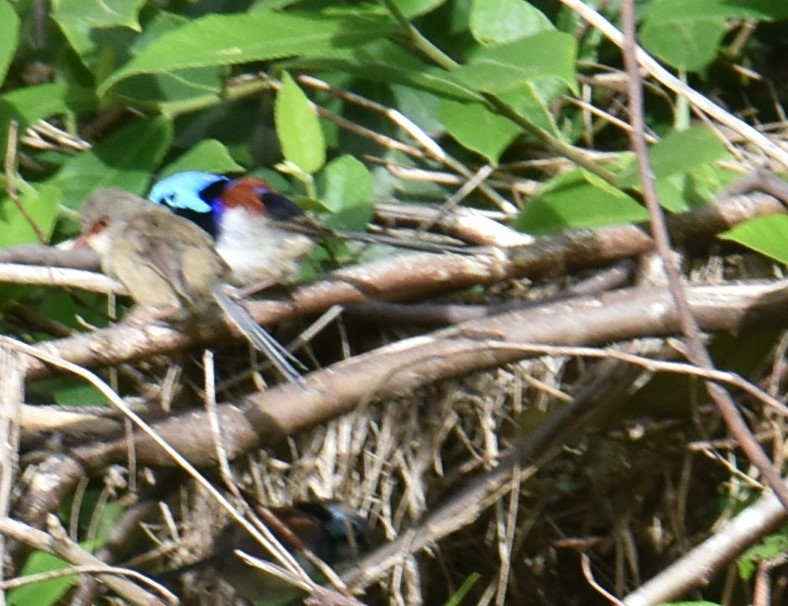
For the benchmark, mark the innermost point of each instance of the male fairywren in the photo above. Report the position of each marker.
(331, 530)
(247, 218)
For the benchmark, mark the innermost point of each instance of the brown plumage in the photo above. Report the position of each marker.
(167, 261)
(163, 260)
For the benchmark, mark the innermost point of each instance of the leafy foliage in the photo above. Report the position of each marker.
(44, 593)
(772, 546)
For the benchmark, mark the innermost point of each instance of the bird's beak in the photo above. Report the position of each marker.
(81, 241)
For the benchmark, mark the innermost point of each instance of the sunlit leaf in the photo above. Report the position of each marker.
(9, 36)
(578, 199)
(126, 159)
(532, 100)
(502, 21)
(82, 21)
(689, 44)
(43, 593)
(678, 152)
(386, 61)
(767, 235)
(346, 190)
(38, 208)
(210, 156)
(241, 38)
(502, 68)
(29, 105)
(416, 8)
(770, 547)
(298, 127)
(478, 128)
(760, 10)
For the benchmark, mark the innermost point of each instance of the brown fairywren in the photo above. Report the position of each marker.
(167, 261)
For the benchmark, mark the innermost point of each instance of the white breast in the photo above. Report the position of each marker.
(256, 251)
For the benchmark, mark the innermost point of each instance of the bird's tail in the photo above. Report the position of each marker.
(258, 336)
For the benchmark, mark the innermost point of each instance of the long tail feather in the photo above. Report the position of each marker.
(258, 336)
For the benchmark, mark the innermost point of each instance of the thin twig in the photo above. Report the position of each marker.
(10, 177)
(585, 565)
(265, 538)
(56, 542)
(713, 555)
(431, 148)
(750, 134)
(698, 353)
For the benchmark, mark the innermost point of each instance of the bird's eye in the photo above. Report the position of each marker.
(100, 224)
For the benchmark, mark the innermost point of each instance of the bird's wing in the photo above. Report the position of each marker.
(177, 251)
(128, 260)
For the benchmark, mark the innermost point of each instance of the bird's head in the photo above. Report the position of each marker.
(191, 194)
(107, 209)
(255, 196)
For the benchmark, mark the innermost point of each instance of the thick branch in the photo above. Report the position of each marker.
(400, 368)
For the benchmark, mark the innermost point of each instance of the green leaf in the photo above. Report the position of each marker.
(689, 44)
(29, 105)
(770, 547)
(98, 14)
(688, 35)
(767, 235)
(419, 106)
(503, 68)
(9, 36)
(678, 152)
(40, 205)
(126, 159)
(496, 22)
(208, 155)
(175, 91)
(259, 36)
(459, 596)
(346, 190)
(79, 393)
(385, 61)
(417, 8)
(533, 100)
(758, 10)
(477, 128)
(578, 199)
(43, 593)
(298, 127)
(682, 192)
(63, 308)
(671, 193)
(704, 182)
(82, 20)
(109, 514)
